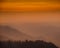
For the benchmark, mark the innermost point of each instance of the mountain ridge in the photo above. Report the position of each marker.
(6, 31)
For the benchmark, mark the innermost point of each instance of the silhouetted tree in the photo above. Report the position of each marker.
(26, 44)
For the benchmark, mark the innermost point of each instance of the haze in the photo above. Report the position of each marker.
(42, 26)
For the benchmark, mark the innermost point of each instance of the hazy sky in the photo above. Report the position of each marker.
(38, 25)
(29, 17)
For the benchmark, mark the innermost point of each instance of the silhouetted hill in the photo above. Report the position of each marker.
(26, 44)
(8, 33)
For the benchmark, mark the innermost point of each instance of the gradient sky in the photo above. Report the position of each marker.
(29, 17)
(40, 25)
(29, 6)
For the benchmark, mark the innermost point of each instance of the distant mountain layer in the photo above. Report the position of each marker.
(8, 33)
(44, 32)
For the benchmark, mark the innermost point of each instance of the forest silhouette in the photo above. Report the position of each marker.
(27, 44)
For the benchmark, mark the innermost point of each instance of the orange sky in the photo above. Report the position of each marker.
(29, 17)
(29, 6)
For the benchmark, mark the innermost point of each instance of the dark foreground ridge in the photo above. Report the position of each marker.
(26, 44)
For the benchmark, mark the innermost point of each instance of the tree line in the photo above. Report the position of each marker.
(27, 44)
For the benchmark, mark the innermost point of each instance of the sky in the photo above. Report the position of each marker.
(29, 6)
(40, 25)
(29, 17)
